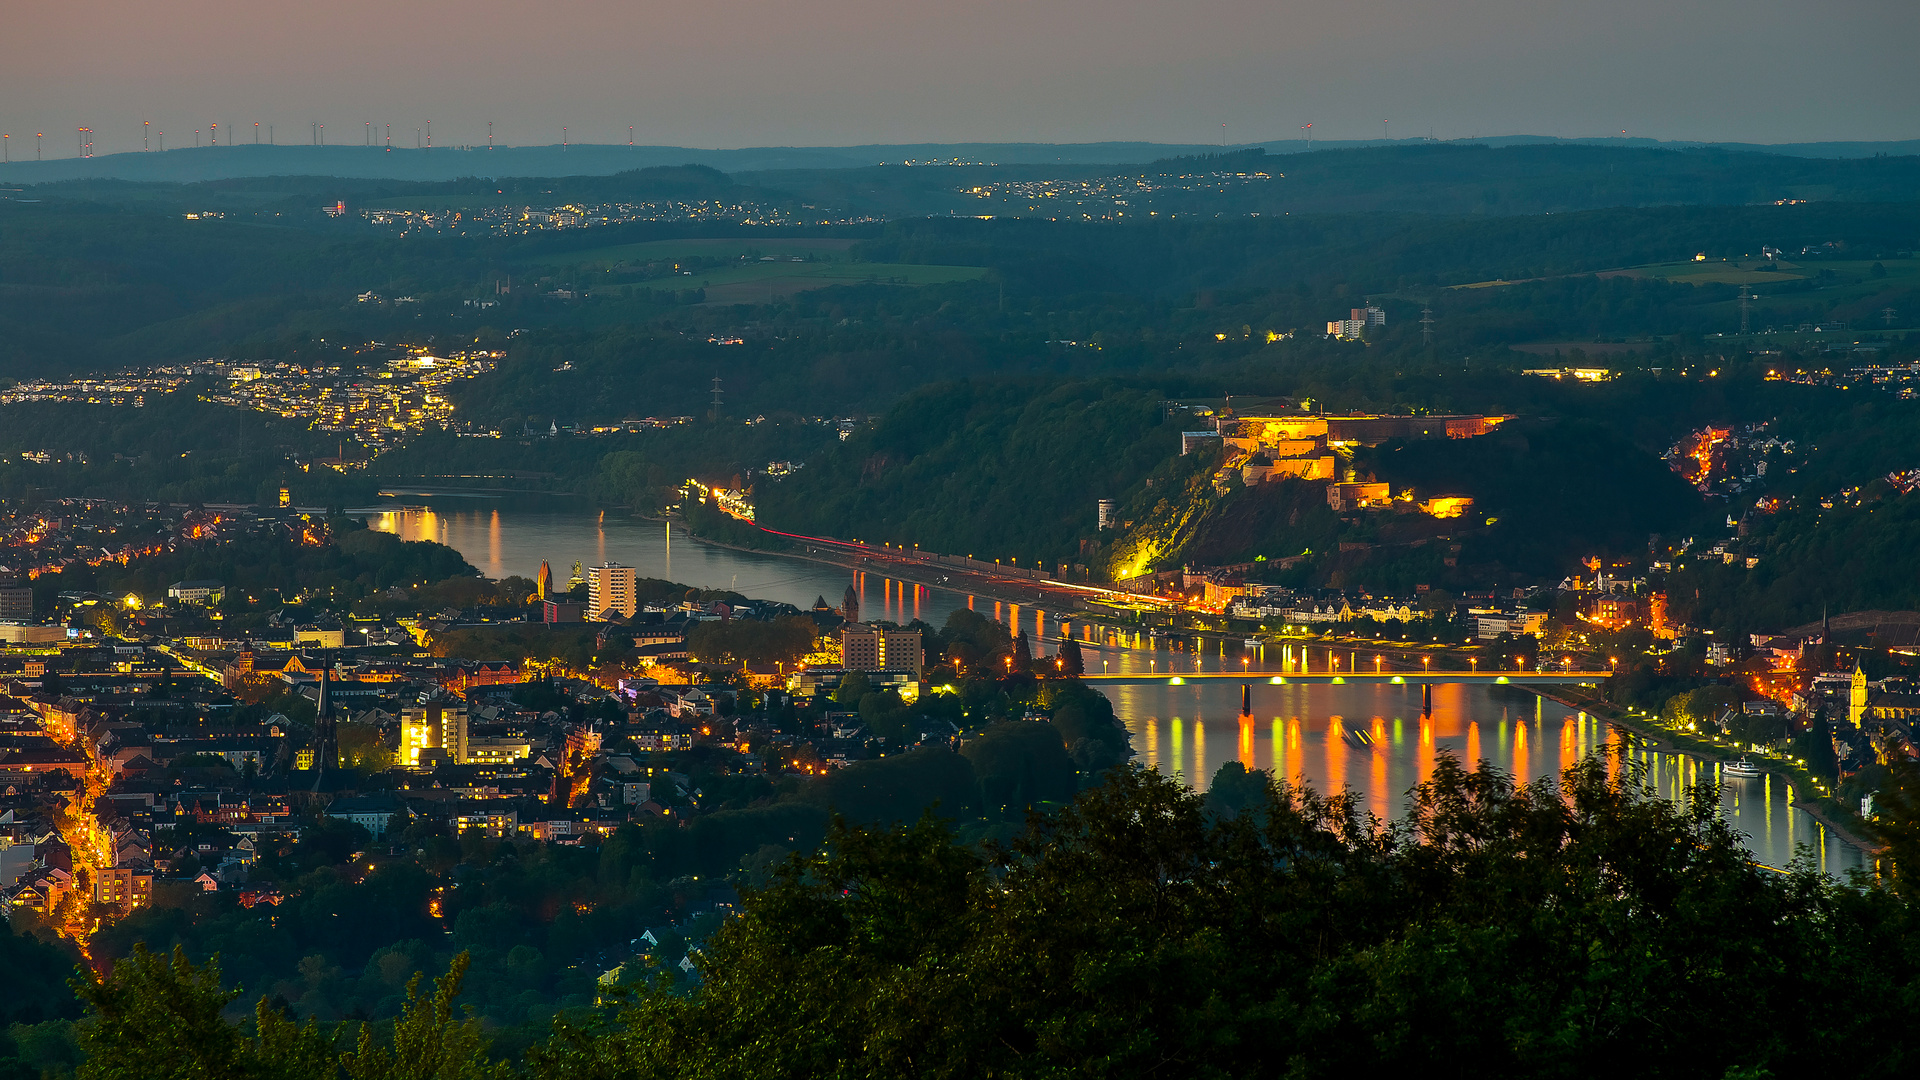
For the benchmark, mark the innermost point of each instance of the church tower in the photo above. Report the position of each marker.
(1857, 697)
(326, 741)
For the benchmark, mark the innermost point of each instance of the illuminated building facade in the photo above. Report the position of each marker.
(864, 647)
(610, 589)
(434, 732)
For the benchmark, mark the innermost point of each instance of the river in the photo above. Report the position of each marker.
(1370, 738)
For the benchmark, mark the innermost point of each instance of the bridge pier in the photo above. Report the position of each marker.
(1246, 699)
(1426, 699)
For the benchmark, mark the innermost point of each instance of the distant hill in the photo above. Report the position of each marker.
(188, 165)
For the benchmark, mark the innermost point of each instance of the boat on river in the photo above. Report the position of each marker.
(1741, 770)
(1357, 737)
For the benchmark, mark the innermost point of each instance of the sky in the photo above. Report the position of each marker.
(729, 73)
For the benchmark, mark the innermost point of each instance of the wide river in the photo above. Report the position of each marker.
(1369, 738)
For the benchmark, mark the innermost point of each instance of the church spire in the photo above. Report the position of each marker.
(326, 740)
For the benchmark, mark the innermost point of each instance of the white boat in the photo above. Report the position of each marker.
(1252, 643)
(1742, 769)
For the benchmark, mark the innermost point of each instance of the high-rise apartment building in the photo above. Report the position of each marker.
(865, 647)
(610, 588)
(16, 603)
(434, 732)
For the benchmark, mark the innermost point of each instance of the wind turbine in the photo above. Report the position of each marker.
(1308, 128)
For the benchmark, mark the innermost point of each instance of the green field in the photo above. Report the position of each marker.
(712, 248)
(758, 282)
(1753, 271)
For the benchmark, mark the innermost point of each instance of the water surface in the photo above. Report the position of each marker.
(1369, 738)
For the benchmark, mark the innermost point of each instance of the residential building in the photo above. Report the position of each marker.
(125, 886)
(610, 589)
(196, 592)
(494, 818)
(1357, 322)
(812, 682)
(1490, 625)
(866, 647)
(1354, 495)
(370, 812)
(433, 733)
(1198, 440)
(16, 603)
(496, 750)
(562, 611)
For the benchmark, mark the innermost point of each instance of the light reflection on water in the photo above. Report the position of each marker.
(513, 538)
(1370, 738)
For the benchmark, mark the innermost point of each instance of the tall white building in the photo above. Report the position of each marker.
(610, 587)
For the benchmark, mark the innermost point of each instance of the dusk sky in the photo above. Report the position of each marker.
(836, 72)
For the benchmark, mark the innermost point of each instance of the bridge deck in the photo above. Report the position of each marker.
(1410, 678)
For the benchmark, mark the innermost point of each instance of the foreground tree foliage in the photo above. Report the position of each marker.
(156, 1017)
(1543, 930)
(1546, 930)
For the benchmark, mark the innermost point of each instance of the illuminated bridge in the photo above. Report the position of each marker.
(1296, 678)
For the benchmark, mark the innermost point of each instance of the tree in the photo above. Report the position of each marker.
(1517, 930)
(428, 1042)
(1071, 661)
(1236, 788)
(1896, 822)
(155, 1018)
(1095, 738)
(158, 1017)
(854, 685)
(1019, 765)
